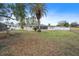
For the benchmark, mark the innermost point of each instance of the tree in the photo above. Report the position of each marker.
(63, 23)
(49, 25)
(5, 11)
(3, 27)
(33, 20)
(19, 11)
(66, 24)
(38, 10)
(12, 24)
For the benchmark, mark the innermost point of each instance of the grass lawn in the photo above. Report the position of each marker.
(48, 43)
(75, 28)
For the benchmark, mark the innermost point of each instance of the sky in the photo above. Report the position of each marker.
(61, 12)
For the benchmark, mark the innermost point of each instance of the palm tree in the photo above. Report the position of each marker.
(38, 10)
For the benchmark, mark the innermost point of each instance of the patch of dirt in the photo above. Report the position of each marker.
(34, 45)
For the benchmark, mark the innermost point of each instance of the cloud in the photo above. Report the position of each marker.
(54, 18)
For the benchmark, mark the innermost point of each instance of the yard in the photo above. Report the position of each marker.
(47, 43)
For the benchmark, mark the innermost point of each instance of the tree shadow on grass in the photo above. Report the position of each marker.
(2, 47)
(3, 51)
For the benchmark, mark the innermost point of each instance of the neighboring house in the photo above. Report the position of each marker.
(30, 27)
(43, 26)
(50, 27)
(13, 26)
(58, 28)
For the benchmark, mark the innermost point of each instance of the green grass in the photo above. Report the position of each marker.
(75, 28)
(67, 41)
(43, 43)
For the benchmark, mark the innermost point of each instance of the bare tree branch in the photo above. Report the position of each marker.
(7, 17)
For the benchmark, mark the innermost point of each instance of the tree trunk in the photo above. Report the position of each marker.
(39, 29)
(70, 28)
(22, 27)
(21, 24)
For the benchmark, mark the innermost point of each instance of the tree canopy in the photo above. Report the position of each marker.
(63, 23)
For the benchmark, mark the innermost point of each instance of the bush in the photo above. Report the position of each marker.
(39, 30)
(63, 23)
(3, 27)
(35, 29)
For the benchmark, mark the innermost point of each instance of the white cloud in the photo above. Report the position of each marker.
(54, 18)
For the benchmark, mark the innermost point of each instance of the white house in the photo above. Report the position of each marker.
(58, 28)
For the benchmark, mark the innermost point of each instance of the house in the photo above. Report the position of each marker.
(58, 28)
(30, 27)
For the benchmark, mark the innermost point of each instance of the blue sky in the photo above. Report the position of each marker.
(60, 12)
